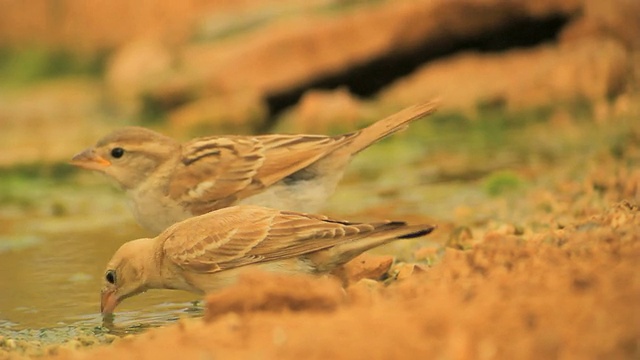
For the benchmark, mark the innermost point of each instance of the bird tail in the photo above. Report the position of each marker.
(328, 259)
(389, 125)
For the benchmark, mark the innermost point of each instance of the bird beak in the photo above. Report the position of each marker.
(108, 301)
(88, 159)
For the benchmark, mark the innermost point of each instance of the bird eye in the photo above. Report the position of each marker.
(117, 152)
(111, 277)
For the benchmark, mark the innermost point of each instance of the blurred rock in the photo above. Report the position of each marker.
(135, 69)
(285, 54)
(619, 19)
(403, 271)
(268, 292)
(519, 78)
(364, 266)
(50, 121)
(323, 112)
(461, 238)
(108, 24)
(237, 113)
(216, 67)
(290, 48)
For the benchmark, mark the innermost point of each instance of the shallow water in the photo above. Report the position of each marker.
(54, 281)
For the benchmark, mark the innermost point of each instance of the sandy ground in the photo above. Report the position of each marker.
(569, 291)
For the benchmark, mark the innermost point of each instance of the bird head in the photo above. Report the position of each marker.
(128, 155)
(126, 273)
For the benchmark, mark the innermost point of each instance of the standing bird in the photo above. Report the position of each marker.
(167, 182)
(208, 252)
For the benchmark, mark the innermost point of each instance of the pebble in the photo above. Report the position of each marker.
(10, 344)
(403, 271)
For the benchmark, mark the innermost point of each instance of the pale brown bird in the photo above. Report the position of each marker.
(167, 182)
(208, 252)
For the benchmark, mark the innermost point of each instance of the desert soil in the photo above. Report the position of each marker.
(545, 266)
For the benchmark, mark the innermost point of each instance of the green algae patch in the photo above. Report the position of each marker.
(501, 182)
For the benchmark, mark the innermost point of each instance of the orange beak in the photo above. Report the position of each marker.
(108, 301)
(88, 159)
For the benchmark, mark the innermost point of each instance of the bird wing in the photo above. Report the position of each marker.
(216, 172)
(287, 154)
(243, 235)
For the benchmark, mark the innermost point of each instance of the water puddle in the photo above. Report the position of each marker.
(52, 279)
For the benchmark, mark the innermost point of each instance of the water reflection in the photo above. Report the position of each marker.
(56, 281)
(136, 321)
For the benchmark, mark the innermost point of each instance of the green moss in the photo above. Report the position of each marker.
(342, 6)
(581, 108)
(53, 171)
(25, 184)
(153, 112)
(501, 182)
(155, 108)
(31, 64)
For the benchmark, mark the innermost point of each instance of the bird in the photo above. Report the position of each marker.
(206, 253)
(166, 181)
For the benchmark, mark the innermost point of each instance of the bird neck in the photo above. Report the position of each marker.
(152, 272)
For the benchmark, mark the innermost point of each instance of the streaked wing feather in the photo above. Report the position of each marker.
(216, 172)
(201, 243)
(286, 154)
(247, 235)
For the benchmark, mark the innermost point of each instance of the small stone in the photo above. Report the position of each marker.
(86, 340)
(367, 266)
(461, 238)
(506, 229)
(109, 338)
(403, 270)
(10, 344)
